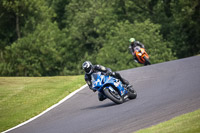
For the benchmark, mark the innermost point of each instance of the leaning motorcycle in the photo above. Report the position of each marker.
(111, 88)
(141, 55)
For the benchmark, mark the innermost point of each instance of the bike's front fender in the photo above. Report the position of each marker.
(119, 89)
(110, 88)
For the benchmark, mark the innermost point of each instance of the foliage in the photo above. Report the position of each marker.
(115, 53)
(180, 24)
(54, 37)
(186, 29)
(37, 54)
(20, 17)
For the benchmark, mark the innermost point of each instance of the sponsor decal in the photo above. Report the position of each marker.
(116, 84)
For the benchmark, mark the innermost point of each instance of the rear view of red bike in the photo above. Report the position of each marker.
(141, 55)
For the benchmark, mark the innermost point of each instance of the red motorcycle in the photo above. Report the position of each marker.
(141, 55)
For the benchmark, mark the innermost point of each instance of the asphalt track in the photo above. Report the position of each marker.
(165, 90)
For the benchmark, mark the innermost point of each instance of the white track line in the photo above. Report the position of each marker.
(53, 106)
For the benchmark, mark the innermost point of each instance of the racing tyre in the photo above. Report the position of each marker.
(113, 96)
(147, 62)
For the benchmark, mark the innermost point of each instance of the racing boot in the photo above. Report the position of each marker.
(124, 81)
(101, 96)
(126, 84)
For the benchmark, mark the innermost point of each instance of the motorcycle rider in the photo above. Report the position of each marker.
(133, 47)
(89, 69)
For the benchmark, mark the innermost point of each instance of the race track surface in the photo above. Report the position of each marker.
(164, 90)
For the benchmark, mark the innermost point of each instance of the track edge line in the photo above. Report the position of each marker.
(48, 109)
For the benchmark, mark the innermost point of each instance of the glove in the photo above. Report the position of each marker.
(109, 73)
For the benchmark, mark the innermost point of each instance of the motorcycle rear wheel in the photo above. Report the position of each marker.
(116, 98)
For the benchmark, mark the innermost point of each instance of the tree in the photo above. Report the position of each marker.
(115, 53)
(179, 22)
(36, 54)
(86, 35)
(19, 18)
(54, 37)
(185, 27)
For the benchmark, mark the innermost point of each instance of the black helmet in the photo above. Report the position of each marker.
(87, 67)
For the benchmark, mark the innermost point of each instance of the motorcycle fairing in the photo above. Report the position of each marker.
(100, 81)
(140, 53)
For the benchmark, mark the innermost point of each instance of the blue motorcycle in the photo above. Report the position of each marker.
(111, 88)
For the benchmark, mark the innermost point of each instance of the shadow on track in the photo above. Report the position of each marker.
(101, 106)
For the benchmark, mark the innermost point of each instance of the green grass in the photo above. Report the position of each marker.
(22, 98)
(187, 123)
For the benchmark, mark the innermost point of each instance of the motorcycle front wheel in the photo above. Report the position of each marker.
(132, 94)
(113, 96)
(147, 62)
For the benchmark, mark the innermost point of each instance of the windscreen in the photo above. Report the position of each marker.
(95, 76)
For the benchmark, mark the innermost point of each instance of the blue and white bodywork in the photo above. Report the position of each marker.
(109, 86)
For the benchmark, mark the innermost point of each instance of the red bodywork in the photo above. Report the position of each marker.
(140, 55)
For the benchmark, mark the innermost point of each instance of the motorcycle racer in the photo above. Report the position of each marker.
(133, 46)
(89, 69)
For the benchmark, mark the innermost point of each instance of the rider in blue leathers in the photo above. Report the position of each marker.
(89, 69)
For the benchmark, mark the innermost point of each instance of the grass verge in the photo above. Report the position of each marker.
(22, 98)
(187, 123)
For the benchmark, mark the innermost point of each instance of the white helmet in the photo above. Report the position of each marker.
(87, 67)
